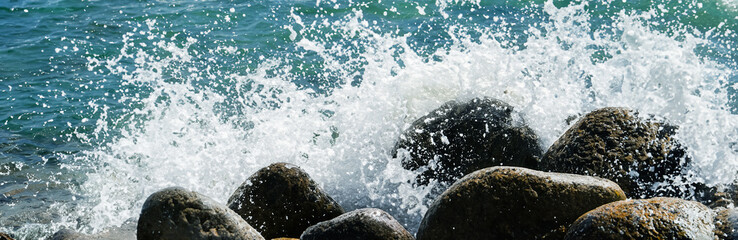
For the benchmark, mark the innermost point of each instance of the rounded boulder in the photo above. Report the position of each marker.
(461, 137)
(281, 200)
(514, 203)
(726, 224)
(175, 213)
(361, 224)
(640, 155)
(656, 218)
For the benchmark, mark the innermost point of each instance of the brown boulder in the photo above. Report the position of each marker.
(514, 203)
(175, 213)
(656, 218)
(615, 143)
(726, 224)
(361, 224)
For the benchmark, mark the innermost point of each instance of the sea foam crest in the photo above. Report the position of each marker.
(343, 138)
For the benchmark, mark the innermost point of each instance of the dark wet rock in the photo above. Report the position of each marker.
(459, 138)
(282, 201)
(723, 195)
(726, 224)
(68, 234)
(710, 196)
(361, 224)
(124, 232)
(514, 203)
(4, 236)
(615, 143)
(175, 213)
(656, 218)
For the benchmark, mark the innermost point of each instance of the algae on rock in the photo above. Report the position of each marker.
(642, 156)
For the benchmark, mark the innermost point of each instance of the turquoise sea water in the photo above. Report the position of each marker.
(104, 102)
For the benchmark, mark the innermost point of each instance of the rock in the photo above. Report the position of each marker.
(282, 201)
(175, 213)
(726, 224)
(68, 234)
(124, 232)
(656, 218)
(459, 138)
(4, 236)
(616, 144)
(716, 196)
(361, 224)
(514, 203)
(724, 195)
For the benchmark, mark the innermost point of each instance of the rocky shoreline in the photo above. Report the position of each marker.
(612, 175)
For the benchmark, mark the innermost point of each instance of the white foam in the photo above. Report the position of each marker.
(343, 139)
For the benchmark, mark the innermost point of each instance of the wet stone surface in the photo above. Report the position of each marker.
(281, 200)
(514, 203)
(361, 224)
(615, 143)
(461, 137)
(726, 224)
(656, 218)
(175, 213)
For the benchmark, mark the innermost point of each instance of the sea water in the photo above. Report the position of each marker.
(104, 102)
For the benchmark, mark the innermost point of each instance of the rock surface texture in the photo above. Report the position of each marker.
(514, 203)
(124, 232)
(361, 224)
(175, 213)
(656, 218)
(282, 201)
(616, 144)
(4, 236)
(459, 138)
(726, 224)
(725, 195)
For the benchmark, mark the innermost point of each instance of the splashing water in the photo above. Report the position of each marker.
(342, 87)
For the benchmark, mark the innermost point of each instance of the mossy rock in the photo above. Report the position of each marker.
(615, 143)
(726, 224)
(282, 201)
(656, 218)
(514, 203)
(175, 213)
(360, 224)
(461, 137)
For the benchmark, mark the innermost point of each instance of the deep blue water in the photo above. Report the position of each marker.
(103, 102)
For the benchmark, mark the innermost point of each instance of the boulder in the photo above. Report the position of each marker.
(68, 234)
(514, 203)
(361, 224)
(724, 195)
(461, 137)
(175, 213)
(282, 201)
(642, 156)
(126, 231)
(726, 224)
(656, 218)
